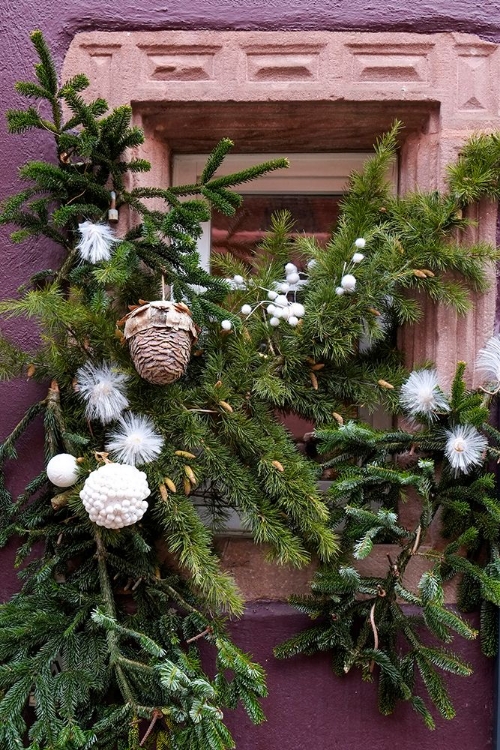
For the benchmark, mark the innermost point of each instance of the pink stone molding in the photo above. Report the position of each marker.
(343, 88)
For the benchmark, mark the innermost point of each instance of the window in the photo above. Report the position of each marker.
(310, 189)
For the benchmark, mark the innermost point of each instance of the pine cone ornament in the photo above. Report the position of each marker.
(160, 336)
(114, 495)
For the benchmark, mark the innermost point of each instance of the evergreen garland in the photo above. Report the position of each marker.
(104, 633)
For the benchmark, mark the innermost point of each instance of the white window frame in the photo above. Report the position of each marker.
(308, 173)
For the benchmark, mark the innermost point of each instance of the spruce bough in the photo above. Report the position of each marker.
(100, 646)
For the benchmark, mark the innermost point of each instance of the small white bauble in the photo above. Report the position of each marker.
(281, 300)
(274, 322)
(238, 279)
(357, 257)
(284, 287)
(226, 325)
(348, 282)
(293, 321)
(339, 291)
(285, 312)
(114, 495)
(290, 268)
(297, 310)
(272, 295)
(246, 309)
(278, 312)
(271, 309)
(360, 242)
(292, 278)
(62, 470)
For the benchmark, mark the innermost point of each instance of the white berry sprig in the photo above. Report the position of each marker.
(348, 280)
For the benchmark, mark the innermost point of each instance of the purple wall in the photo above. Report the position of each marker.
(307, 705)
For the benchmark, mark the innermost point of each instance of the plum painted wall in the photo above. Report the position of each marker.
(307, 706)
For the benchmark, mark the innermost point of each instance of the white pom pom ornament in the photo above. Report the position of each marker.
(348, 282)
(62, 470)
(114, 495)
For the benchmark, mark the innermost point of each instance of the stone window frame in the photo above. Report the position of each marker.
(321, 90)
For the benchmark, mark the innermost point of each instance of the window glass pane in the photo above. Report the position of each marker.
(240, 234)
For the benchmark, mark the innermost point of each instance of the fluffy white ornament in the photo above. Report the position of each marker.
(62, 470)
(284, 287)
(96, 242)
(114, 495)
(290, 268)
(421, 394)
(285, 312)
(465, 448)
(297, 310)
(360, 242)
(246, 309)
(135, 440)
(339, 291)
(292, 278)
(271, 309)
(357, 257)
(274, 322)
(272, 295)
(488, 360)
(226, 325)
(293, 321)
(103, 388)
(348, 282)
(238, 279)
(278, 312)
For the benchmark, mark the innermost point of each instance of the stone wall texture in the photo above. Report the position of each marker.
(193, 70)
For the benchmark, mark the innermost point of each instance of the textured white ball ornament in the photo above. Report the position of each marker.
(293, 321)
(284, 287)
(274, 322)
(226, 325)
(272, 295)
(348, 282)
(293, 278)
(114, 495)
(290, 268)
(62, 470)
(357, 257)
(271, 309)
(246, 309)
(238, 279)
(339, 291)
(360, 242)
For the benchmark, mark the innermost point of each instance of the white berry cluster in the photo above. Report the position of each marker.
(114, 495)
(278, 306)
(348, 280)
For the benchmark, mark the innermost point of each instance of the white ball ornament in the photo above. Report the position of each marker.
(293, 278)
(357, 257)
(293, 321)
(271, 309)
(290, 268)
(284, 287)
(62, 470)
(274, 322)
(278, 312)
(226, 325)
(238, 279)
(281, 300)
(114, 495)
(246, 309)
(360, 242)
(285, 312)
(297, 310)
(339, 291)
(272, 295)
(348, 282)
